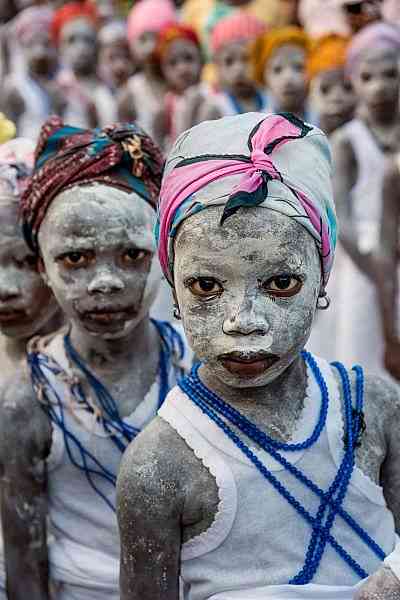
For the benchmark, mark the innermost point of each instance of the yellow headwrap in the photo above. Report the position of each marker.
(264, 47)
(328, 53)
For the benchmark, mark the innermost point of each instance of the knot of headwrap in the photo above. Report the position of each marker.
(256, 171)
(121, 156)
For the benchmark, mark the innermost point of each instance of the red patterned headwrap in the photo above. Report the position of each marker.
(121, 156)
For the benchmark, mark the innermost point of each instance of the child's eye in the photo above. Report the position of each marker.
(205, 287)
(76, 260)
(133, 255)
(283, 286)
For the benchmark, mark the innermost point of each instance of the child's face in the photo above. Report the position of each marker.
(233, 65)
(334, 98)
(286, 78)
(376, 81)
(143, 47)
(98, 255)
(40, 55)
(181, 65)
(247, 292)
(79, 46)
(26, 303)
(116, 60)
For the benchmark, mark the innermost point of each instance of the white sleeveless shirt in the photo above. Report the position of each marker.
(84, 549)
(257, 541)
(359, 336)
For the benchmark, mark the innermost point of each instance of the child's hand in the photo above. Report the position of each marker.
(383, 585)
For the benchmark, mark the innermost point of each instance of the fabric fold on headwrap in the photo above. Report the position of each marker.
(121, 156)
(286, 168)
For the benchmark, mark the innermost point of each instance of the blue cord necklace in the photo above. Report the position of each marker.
(215, 408)
(120, 432)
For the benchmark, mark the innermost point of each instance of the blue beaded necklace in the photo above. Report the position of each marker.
(215, 408)
(120, 432)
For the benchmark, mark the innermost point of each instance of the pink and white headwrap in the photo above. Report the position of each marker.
(376, 36)
(275, 161)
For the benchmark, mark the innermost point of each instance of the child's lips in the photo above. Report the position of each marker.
(248, 365)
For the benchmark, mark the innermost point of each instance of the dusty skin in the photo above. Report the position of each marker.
(165, 494)
(107, 233)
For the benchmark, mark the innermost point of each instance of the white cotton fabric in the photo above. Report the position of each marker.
(359, 336)
(84, 543)
(257, 539)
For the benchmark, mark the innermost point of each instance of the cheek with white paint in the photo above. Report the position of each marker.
(98, 253)
(240, 311)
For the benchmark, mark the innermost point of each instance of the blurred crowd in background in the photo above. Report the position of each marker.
(171, 65)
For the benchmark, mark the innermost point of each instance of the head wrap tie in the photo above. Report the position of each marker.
(277, 162)
(149, 15)
(265, 47)
(376, 36)
(237, 27)
(70, 12)
(172, 32)
(121, 156)
(16, 164)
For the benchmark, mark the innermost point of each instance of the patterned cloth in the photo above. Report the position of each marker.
(250, 160)
(377, 35)
(121, 156)
(16, 164)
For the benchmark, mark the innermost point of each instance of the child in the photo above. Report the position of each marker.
(178, 53)
(29, 96)
(331, 91)
(91, 387)
(115, 61)
(142, 97)
(280, 64)
(236, 92)
(359, 151)
(281, 475)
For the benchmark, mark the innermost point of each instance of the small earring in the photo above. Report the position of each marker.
(323, 302)
(177, 313)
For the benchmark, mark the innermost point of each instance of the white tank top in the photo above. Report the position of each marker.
(257, 540)
(366, 195)
(84, 548)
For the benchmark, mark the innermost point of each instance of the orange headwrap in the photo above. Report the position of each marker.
(69, 12)
(172, 32)
(265, 47)
(328, 53)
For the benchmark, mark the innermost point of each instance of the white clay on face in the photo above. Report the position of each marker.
(250, 249)
(26, 303)
(98, 252)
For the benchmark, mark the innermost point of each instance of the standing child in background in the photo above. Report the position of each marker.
(359, 151)
(115, 62)
(178, 53)
(144, 92)
(331, 92)
(30, 95)
(280, 64)
(236, 91)
(75, 34)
